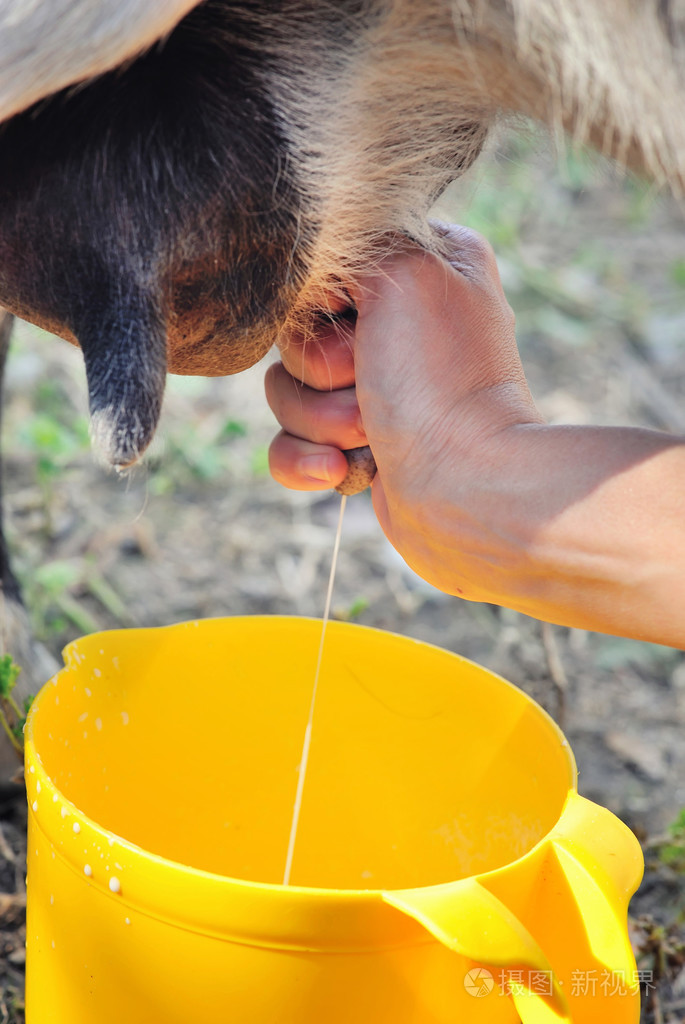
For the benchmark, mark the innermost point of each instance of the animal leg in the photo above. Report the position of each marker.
(36, 664)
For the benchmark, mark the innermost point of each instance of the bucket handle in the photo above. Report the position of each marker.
(557, 915)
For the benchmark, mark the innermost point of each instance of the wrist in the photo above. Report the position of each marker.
(461, 519)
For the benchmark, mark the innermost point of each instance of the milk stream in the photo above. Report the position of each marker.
(304, 760)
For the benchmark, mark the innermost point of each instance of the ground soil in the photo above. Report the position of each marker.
(595, 269)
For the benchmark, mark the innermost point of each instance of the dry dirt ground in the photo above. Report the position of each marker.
(595, 269)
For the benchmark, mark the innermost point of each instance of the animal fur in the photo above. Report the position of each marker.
(46, 45)
(172, 213)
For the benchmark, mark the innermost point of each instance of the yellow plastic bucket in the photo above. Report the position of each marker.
(446, 870)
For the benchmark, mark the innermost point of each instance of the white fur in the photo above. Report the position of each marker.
(46, 45)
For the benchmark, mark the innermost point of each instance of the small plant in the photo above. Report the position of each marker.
(678, 272)
(354, 610)
(660, 955)
(54, 444)
(671, 850)
(200, 454)
(57, 594)
(12, 716)
(260, 460)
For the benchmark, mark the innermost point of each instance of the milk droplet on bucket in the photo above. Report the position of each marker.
(124, 717)
(127, 920)
(87, 870)
(38, 786)
(55, 798)
(34, 805)
(77, 827)
(98, 723)
(115, 884)
(32, 769)
(83, 717)
(64, 811)
(87, 692)
(97, 672)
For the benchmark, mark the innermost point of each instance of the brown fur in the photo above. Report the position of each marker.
(610, 72)
(373, 106)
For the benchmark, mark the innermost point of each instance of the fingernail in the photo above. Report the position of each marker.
(316, 467)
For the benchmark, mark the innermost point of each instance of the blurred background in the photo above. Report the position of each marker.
(594, 266)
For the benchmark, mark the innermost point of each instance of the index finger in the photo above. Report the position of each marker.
(322, 359)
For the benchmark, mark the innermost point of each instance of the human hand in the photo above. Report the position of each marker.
(437, 373)
(577, 525)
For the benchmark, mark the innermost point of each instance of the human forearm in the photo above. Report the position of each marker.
(582, 526)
